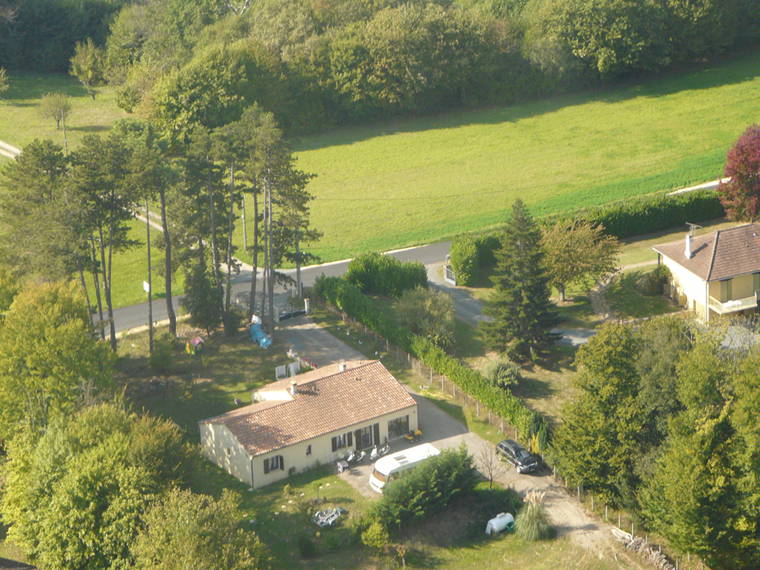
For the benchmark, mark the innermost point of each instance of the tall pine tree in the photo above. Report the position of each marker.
(519, 305)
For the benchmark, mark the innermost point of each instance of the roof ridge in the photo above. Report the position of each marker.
(712, 255)
(341, 371)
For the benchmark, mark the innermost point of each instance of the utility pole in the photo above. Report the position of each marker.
(148, 285)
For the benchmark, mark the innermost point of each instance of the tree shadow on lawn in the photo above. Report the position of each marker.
(91, 128)
(533, 388)
(34, 86)
(201, 386)
(719, 73)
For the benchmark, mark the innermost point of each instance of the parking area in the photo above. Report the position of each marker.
(446, 432)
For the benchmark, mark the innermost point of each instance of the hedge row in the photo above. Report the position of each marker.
(385, 275)
(634, 216)
(349, 299)
(654, 213)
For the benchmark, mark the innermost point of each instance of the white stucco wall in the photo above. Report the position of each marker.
(215, 439)
(690, 285)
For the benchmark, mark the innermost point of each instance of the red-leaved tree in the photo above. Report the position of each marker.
(740, 196)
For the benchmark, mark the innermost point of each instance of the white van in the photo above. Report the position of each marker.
(390, 465)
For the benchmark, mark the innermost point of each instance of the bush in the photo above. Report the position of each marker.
(653, 282)
(502, 373)
(376, 536)
(656, 212)
(426, 489)
(471, 255)
(464, 259)
(380, 274)
(163, 354)
(232, 321)
(532, 523)
(429, 313)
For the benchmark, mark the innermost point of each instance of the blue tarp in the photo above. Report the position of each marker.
(259, 336)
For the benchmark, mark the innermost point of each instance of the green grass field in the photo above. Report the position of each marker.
(415, 181)
(20, 120)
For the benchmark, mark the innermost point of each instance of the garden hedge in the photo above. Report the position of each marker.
(349, 299)
(385, 275)
(623, 219)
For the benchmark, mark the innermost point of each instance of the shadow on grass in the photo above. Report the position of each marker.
(533, 388)
(627, 302)
(35, 85)
(739, 69)
(91, 128)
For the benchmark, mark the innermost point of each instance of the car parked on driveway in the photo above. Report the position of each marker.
(514, 453)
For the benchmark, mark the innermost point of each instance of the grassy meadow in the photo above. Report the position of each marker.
(420, 180)
(20, 120)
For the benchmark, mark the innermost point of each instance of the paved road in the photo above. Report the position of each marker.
(137, 315)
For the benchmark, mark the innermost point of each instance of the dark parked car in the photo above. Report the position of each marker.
(523, 461)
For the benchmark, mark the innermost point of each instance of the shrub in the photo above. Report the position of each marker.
(429, 313)
(163, 354)
(653, 282)
(426, 489)
(380, 274)
(376, 536)
(464, 259)
(232, 321)
(502, 373)
(532, 523)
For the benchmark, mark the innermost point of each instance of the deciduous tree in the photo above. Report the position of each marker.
(87, 66)
(185, 530)
(76, 496)
(56, 106)
(428, 313)
(740, 195)
(522, 315)
(578, 253)
(597, 444)
(50, 363)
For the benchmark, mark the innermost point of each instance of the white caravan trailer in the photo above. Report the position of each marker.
(390, 465)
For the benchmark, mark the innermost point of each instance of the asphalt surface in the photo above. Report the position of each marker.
(134, 316)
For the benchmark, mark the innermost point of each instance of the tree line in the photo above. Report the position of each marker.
(319, 64)
(664, 423)
(73, 212)
(86, 483)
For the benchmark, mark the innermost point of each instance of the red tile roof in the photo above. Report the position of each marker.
(326, 400)
(719, 255)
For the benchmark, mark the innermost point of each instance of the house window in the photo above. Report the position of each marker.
(274, 463)
(341, 441)
(308, 450)
(228, 451)
(398, 427)
(726, 293)
(756, 282)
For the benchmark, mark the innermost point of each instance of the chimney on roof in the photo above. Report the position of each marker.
(293, 385)
(342, 367)
(687, 251)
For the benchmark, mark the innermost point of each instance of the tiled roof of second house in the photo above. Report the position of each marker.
(326, 400)
(719, 255)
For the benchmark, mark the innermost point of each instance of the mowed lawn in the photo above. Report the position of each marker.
(20, 119)
(421, 180)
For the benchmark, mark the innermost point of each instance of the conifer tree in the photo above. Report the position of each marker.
(519, 305)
